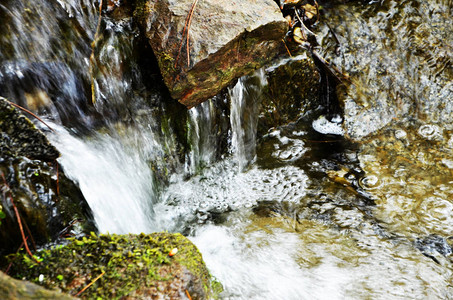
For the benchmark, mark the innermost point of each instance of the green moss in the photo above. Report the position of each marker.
(130, 265)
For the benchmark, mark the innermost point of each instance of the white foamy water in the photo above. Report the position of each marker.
(115, 180)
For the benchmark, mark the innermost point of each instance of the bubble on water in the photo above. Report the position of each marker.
(291, 150)
(430, 131)
(400, 134)
(221, 188)
(370, 182)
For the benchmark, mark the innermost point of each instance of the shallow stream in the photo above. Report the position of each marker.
(299, 213)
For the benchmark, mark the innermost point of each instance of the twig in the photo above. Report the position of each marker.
(289, 52)
(58, 181)
(188, 295)
(27, 111)
(31, 236)
(186, 28)
(16, 211)
(317, 11)
(90, 284)
(188, 33)
(302, 23)
(11, 263)
(331, 68)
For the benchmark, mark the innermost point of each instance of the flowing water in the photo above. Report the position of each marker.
(299, 213)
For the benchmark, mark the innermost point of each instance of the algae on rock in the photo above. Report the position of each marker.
(132, 266)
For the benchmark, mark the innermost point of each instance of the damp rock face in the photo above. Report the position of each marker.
(223, 40)
(127, 267)
(20, 137)
(11, 289)
(49, 204)
(292, 89)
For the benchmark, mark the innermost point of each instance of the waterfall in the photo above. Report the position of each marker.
(114, 177)
(202, 137)
(288, 218)
(245, 103)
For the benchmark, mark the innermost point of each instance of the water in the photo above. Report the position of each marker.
(298, 213)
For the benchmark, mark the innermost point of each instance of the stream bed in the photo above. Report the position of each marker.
(354, 204)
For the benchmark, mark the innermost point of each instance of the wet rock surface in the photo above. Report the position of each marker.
(292, 89)
(226, 40)
(11, 289)
(128, 266)
(20, 137)
(398, 59)
(47, 201)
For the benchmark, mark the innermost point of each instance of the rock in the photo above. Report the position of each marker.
(292, 89)
(128, 267)
(227, 39)
(398, 60)
(11, 289)
(20, 137)
(47, 201)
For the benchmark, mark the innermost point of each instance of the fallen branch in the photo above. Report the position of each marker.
(16, 211)
(90, 284)
(29, 112)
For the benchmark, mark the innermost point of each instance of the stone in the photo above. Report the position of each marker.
(48, 202)
(227, 39)
(398, 59)
(20, 137)
(293, 87)
(11, 289)
(127, 267)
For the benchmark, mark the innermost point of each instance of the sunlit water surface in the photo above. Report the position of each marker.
(300, 215)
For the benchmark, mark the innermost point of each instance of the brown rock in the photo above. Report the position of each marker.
(227, 39)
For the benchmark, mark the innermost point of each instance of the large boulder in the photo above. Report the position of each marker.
(226, 40)
(122, 267)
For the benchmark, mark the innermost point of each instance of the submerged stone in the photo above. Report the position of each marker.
(293, 87)
(126, 267)
(398, 59)
(221, 41)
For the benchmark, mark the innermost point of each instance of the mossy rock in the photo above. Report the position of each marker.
(11, 289)
(127, 267)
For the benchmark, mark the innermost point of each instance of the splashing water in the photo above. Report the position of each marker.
(298, 216)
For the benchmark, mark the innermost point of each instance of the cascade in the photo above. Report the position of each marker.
(290, 217)
(245, 101)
